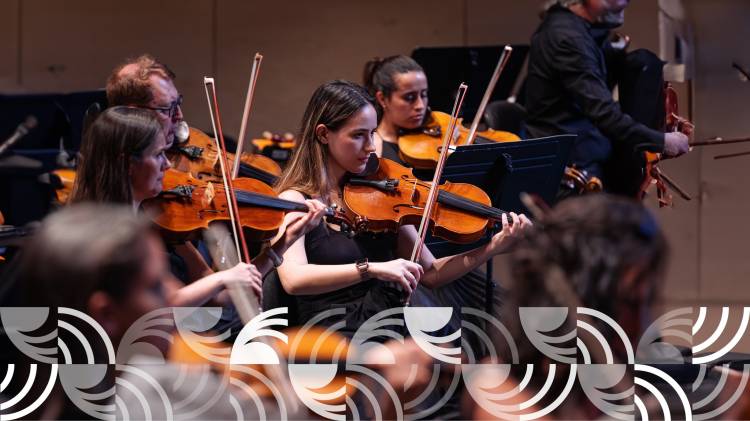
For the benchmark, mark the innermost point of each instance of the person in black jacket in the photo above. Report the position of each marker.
(567, 90)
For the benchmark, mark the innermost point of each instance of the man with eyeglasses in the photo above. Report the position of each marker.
(144, 82)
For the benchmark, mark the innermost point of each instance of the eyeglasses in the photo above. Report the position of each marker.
(169, 111)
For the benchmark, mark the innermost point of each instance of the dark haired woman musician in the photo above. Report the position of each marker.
(325, 268)
(399, 86)
(123, 161)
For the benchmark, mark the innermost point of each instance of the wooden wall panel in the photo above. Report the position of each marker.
(73, 45)
(9, 44)
(721, 110)
(493, 22)
(313, 42)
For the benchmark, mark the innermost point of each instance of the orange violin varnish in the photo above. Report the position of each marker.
(422, 148)
(67, 179)
(462, 215)
(187, 205)
(199, 157)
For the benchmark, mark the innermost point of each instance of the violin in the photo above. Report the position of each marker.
(652, 173)
(392, 197)
(274, 140)
(421, 148)
(277, 147)
(187, 205)
(199, 157)
(580, 181)
(66, 178)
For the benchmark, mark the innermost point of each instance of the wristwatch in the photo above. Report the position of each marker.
(362, 267)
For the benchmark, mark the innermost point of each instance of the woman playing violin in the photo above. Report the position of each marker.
(123, 161)
(325, 268)
(399, 86)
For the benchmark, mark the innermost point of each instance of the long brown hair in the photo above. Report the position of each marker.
(332, 104)
(118, 135)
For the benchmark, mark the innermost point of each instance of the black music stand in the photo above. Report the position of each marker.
(473, 65)
(504, 171)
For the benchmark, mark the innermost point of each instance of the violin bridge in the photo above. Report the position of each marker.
(414, 191)
(208, 195)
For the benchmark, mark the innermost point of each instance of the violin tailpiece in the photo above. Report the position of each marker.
(179, 191)
(192, 152)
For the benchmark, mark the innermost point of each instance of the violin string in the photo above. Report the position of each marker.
(257, 173)
(259, 199)
(464, 203)
(469, 205)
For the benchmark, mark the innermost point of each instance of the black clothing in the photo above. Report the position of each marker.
(641, 88)
(390, 151)
(325, 246)
(469, 290)
(567, 92)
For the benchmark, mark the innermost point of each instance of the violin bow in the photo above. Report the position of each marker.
(247, 304)
(732, 155)
(435, 188)
(213, 107)
(718, 141)
(504, 58)
(246, 113)
(741, 70)
(721, 141)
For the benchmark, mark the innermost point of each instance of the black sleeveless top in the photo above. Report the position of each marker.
(390, 151)
(326, 246)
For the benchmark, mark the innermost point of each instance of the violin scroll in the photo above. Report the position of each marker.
(580, 181)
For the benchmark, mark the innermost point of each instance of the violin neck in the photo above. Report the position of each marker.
(449, 199)
(262, 200)
(257, 173)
